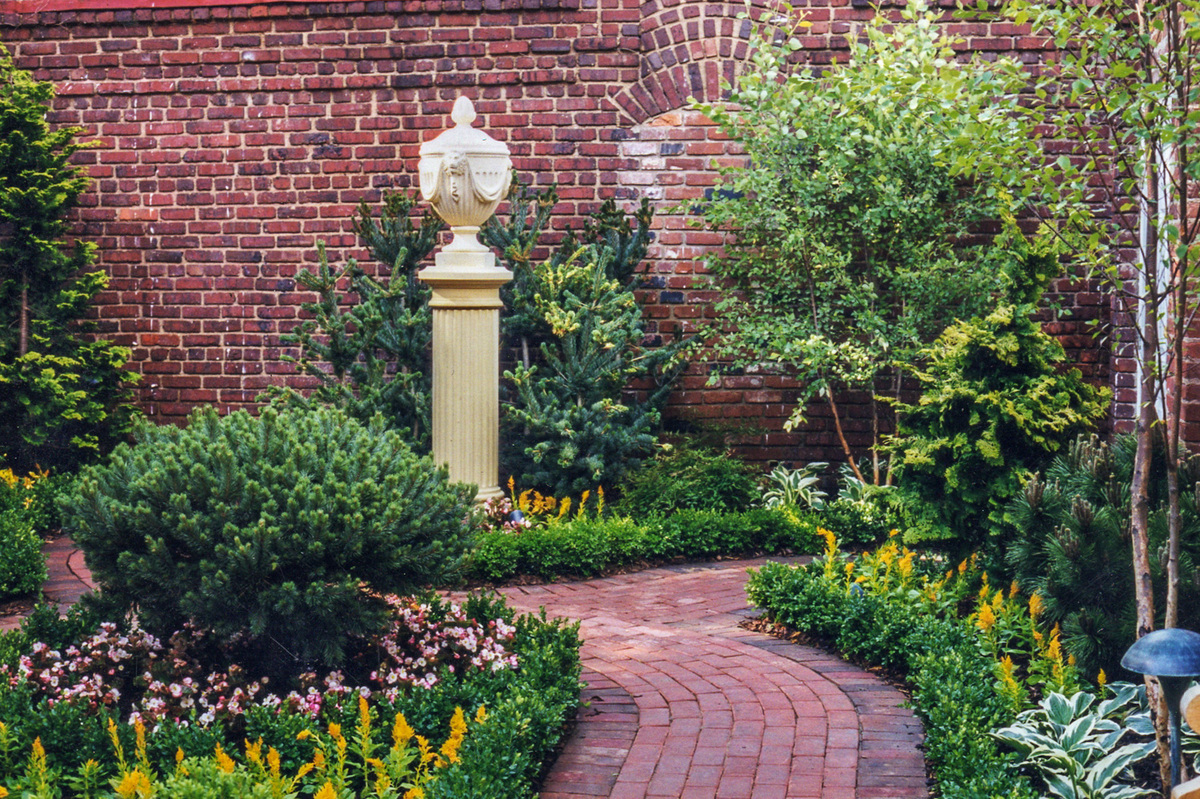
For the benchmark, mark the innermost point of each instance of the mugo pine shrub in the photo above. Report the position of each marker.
(278, 534)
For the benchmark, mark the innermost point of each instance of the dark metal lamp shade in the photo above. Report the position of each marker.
(1172, 655)
(1165, 653)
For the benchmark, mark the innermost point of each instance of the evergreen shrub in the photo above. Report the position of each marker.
(22, 565)
(64, 398)
(369, 349)
(1070, 545)
(689, 478)
(586, 547)
(996, 406)
(571, 420)
(278, 534)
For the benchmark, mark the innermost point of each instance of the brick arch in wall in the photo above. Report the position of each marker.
(686, 50)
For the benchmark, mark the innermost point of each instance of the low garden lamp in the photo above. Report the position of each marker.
(1173, 656)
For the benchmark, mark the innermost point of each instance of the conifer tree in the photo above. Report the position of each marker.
(571, 422)
(370, 348)
(63, 397)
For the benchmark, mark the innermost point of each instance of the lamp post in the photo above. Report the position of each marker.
(1173, 656)
(465, 173)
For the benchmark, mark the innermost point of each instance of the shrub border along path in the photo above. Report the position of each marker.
(684, 703)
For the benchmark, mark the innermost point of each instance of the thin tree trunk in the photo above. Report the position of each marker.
(23, 320)
(837, 424)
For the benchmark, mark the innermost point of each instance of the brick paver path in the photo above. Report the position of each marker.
(685, 703)
(67, 581)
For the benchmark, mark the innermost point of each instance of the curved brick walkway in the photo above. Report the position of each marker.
(685, 703)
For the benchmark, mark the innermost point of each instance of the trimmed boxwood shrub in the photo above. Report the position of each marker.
(22, 565)
(277, 533)
(586, 547)
(689, 478)
(953, 681)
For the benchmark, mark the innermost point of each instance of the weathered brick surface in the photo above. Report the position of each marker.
(231, 138)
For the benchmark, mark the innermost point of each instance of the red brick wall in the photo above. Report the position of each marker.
(231, 138)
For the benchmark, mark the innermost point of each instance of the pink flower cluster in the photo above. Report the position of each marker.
(417, 646)
(134, 672)
(158, 682)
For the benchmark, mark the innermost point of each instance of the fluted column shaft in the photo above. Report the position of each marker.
(466, 366)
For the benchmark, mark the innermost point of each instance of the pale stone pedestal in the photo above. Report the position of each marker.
(466, 366)
(464, 175)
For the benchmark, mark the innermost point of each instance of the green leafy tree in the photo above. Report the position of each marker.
(849, 227)
(571, 422)
(996, 406)
(63, 397)
(369, 348)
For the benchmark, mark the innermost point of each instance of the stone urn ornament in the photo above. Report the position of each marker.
(465, 173)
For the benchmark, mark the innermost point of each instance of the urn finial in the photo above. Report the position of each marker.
(465, 173)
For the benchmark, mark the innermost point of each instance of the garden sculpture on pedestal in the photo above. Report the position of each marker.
(464, 175)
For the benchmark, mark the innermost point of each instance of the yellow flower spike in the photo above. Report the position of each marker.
(481, 715)
(905, 565)
(402, 732)
(326, 792)
(318, 760)
(254, 751)
(303, 735)
(564, 507)
(1101, 679)
(1071, 659)
(523, 500)
(962, 567)
(224, 761)
(426, 753)
(128, 787)
(304, 771)
(3, 792)
(273, 761)
(893, 533)
(512, 486)
(998, 601)
(458, 729)
(599, 500)
(179, 755)
(416, 792)
(1013, 590)
(39, 751)
(1035, 605)
(986, 618)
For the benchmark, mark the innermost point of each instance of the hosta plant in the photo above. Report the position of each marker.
(798, 487)
(1075, 742)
